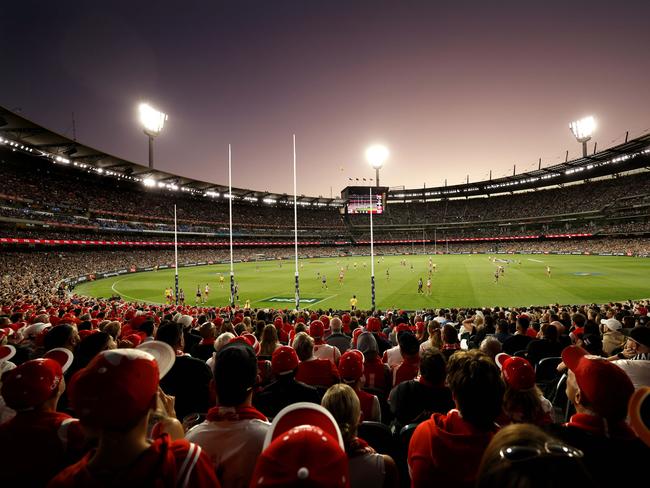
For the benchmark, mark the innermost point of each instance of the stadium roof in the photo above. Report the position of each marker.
(628, 156)
(27, 136)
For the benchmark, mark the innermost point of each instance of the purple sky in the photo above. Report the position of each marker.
(451, 88)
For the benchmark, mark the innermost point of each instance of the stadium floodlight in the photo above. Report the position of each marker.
(376, 155)
(149, 182)
(152, 121)
(582, 130)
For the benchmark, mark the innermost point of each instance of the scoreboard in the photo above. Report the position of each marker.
(358, 199)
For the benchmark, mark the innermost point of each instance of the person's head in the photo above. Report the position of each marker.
(549, 332)
(503, 327)
(523, 322)
(595, 385)
(336, 325)
(351, 367)
(34, 385)
(522, 400)
(116, 391)
(408, 345)
(235, 373)
(449, 334)
(578, 320)
(64, 335)
(207, 330)
(113, 328)
(92, 345)
(222, 340)
(367, 344)
(284, 361)
(490, 346)
(524, 456)
(433, 367)
(476, 384)
(343, 403)
(639, 340)
(171, 333)
(269, 335)
(304, 346)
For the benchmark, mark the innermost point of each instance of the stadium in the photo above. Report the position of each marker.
(207, 318)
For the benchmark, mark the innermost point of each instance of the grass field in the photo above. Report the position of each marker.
(460, 280)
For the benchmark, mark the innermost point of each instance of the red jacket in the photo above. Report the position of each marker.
(446, 451)
(407, 370)
(376, 375)
(165, 464)
(317, 372)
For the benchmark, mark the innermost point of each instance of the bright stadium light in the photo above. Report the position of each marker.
(582, 130)
(149, 182)
(152, 121)
(376, 155)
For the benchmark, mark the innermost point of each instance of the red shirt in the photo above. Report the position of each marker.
(35, 445)
(165, 464)
(406, 370)
(317, 372)
(367, 401)
(374, 375)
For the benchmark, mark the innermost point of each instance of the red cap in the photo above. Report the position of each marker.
(251, 340)
(603, 385)
(351, 366)
(517, 372)
(345, 318)
(115, 390)
(284, 360)
(373, 324)
(85, 333)
(134, 339)
(316, 329)
(402, 328)
(326, 321)
(419, 327)
(6, 353)
(31, 383)
(62, 356)
(357, 332)
(303, 447)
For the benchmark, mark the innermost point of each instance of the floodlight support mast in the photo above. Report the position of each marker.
(372, 255)
(175, 257)
(295, 223)
(150, 149)
(232, 269)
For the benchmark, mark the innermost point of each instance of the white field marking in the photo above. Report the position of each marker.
(264, 299)
(535, 260)
(128, 296)
(326, 298)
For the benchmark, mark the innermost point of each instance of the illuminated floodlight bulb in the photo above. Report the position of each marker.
(149, 182)
(152, 120)
(583, 129)
(376, 155)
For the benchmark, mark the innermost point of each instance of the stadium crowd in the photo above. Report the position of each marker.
(110, 393)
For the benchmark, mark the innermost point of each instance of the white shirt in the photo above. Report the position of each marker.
(394, 357)
(325, 351)
(233, 447)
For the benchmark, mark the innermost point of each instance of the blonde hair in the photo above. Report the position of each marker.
(343, 403)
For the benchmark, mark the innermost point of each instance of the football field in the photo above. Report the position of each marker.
(457, 281)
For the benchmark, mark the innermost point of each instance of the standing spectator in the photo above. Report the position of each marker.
(234, 431)
(351, 370)
(446, 449)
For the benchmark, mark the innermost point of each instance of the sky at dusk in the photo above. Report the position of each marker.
(452, 88)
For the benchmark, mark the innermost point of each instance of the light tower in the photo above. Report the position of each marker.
(582, 130)
(152, 121)
(376, 155)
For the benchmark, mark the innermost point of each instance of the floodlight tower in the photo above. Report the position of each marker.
(152, 121)
(376, 155)
(582, 130)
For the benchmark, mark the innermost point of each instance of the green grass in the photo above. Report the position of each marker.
(460, 280)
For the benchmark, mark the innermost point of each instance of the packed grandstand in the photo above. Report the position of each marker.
(455, 395)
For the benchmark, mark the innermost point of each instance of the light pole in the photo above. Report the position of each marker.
(376, 155)
(152, 121)
(582, 130)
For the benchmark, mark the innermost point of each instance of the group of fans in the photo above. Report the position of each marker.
(111, 393)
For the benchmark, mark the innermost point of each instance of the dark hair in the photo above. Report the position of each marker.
(147, 327)
(170, 333)
(58, 336)
(475, 381)
(235, 373)
(408, 344)
(433, 366)
(449, 334)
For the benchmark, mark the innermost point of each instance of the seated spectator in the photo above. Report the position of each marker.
(285, 390)
(523, 401)
(189, 379)
(434, 340)
(322, 350)
(408, 368)
(600, 392)
(490, 346)
(519, 341)
(303, 448)
(416, 400)
(446, 449)
(503, 332)
(269, 343)
(204, 349)
(113, 397)
(367, 467)
(337, 338)
(63, 335)
(311, 370)
(37, 431)
(525, 456)
(234, 430)
(545, 347)
(376, 375)
(351, 370)
(450, 342)
(613, 338)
